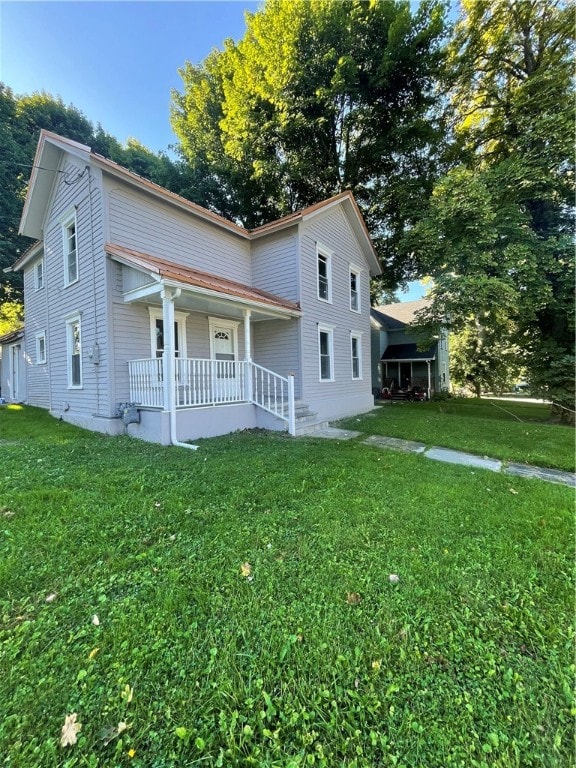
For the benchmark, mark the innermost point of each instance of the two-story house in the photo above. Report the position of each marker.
(398, 361)
(143, 307)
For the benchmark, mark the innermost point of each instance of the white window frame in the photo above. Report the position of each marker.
(179, 319)
(66, 222)
(215, 322)
(329, 331)
(70, 323)
(41, 355)
(39, 275)
(357, 272)
(326, 255)
(358, 338)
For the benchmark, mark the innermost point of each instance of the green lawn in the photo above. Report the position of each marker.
(507, 430)
(245, 614)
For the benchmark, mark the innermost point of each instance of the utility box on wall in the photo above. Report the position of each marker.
(130, 413)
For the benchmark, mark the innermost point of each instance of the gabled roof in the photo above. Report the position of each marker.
(355, 217)
(400, 314)
(186, 277)
(12, 336)
(46, 166)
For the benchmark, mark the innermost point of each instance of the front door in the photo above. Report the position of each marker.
(226, 380)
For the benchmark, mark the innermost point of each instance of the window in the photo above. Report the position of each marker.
(324, 276)
(326, 353)
(40, 348)
(157, 332)
(70, 250)
(74, 353)
(354, 290)
(356, 353)
(39, 275)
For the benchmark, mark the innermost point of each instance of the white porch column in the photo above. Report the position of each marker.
(168, 356)
(247, 353)
(429, 390)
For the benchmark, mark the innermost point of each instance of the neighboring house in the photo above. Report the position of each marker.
(12, 367)
(397, 361)
(142, 305)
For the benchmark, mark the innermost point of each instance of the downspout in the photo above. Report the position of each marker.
(248, 355)
(169, 360)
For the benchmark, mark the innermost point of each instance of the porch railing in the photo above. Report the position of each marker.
(201, 382)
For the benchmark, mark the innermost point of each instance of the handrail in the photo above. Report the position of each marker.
(205, 382)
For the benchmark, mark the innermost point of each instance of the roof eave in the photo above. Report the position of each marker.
(45, 166)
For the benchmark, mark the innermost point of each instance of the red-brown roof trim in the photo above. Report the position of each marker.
(178, 273)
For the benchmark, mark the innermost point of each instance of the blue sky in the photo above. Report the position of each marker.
(117, 62)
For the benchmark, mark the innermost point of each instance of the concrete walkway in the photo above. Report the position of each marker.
(452, 457)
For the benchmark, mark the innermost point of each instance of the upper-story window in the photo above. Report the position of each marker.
(324, 268)
(39, 275)
(354, 289)
(70, 250)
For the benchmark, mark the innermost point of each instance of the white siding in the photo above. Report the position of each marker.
(140, 222)
(332, 229)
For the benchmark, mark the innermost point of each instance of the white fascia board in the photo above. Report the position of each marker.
(230, 299)
(142, 293)
(45, 170)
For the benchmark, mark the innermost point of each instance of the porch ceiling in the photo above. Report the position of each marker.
(200, 291)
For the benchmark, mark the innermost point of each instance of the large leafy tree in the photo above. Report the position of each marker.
(21, 119)
(498, 233)
(316, 98)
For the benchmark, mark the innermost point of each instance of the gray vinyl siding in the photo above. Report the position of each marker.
(86, 297)
(36, 321)
(332, 230)
(138, 221)
(276, 347)
(274, 265)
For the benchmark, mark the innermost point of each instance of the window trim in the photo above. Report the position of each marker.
(356, 336)
(70, 322)
(39, 270)
(326, 254)
(357, 272)
(329, 330)
(41, 359)
(179, 319)
(66, 222)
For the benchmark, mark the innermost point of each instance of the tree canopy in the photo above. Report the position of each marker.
(21, 119)
(497, 235)
(316, 98)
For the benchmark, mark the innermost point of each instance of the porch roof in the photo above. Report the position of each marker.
(194, 280)
(408, 353)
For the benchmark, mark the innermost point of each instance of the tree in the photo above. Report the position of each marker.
(316, 98)
(497, 234)
(21, 119)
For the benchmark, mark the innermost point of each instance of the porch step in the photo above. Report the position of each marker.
(306, 420)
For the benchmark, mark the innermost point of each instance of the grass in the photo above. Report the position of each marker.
(506, 430)
(245, 614)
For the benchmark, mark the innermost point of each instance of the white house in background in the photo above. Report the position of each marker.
(143, 307)
(397, 362)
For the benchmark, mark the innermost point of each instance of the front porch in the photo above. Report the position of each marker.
(202, 383)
